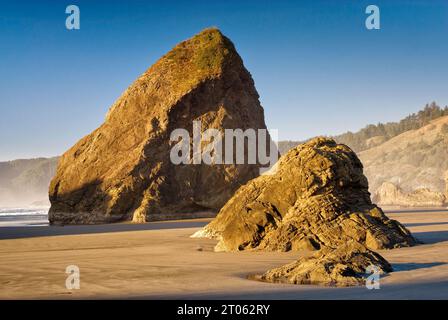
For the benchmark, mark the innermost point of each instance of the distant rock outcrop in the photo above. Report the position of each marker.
(346, 265)
(316, 196)
(391, 195)
(122, 170)
(411, 160)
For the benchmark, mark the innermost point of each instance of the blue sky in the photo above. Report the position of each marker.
(317, 68)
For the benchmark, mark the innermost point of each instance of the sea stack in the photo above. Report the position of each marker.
(315, 197)
(344, 266)
(122, 170)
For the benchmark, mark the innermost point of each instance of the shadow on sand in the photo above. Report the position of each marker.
(49, 231)
(415, 266)
(412, 290)
(431, 237)
(410, 210)
(423, 224)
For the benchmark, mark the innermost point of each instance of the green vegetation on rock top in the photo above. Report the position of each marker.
(202, 56)
(205, 56)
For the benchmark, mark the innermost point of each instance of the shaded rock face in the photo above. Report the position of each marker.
(122, 170)
(316, 196)
(343, 266)
(390, 194)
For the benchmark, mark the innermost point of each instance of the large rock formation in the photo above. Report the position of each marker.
(122, 170)
(391, 195)
(347, 265)
(316, 196)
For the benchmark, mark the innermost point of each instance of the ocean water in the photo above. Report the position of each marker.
(24, 216)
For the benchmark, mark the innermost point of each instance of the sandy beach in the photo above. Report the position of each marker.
(159, 260)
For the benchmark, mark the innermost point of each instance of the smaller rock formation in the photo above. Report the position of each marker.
(391, 195)
(315, 196)
(342, 267)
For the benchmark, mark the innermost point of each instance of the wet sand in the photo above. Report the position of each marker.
(159, 260)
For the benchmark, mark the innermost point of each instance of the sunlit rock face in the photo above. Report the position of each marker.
(316, 196)
(123, 171)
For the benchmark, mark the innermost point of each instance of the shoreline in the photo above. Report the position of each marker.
(25, 220)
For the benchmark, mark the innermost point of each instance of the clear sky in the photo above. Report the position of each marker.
(317, 68)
